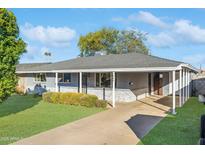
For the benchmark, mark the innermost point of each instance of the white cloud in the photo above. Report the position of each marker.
(36, 54)
(143, 16)
(49, 36)
(31, 52)
(161, 40)
(178, 33)
(189, 32)
(196, 59)
(149, 18)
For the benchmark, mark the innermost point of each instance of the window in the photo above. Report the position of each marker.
(97, 79)
(40, 77)
(64, 77)
(103, 80)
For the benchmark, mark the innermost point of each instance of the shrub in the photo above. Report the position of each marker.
(88, 100)
(101, 103)
(73, 99)
(51, 97)
(70, 98)
(20, 90)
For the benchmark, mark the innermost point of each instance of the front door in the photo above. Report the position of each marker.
(158, 80)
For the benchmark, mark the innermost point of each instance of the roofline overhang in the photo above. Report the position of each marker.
(184, 65)
(144, 69)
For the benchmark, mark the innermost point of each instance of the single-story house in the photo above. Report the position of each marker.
(116, 78)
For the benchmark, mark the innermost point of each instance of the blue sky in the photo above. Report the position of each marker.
(172, 33)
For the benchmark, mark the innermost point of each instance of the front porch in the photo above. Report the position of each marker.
(131, 86)
(164, 103)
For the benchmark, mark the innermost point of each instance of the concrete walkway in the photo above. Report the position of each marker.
(125, 124)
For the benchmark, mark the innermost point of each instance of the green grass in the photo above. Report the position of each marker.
(24, 116)
(183, 128)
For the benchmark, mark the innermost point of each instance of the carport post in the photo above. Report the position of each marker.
(183, 86)
(180, 88)
(173, 93)
(186, 84)
(113, 89)
(56, 82)
(80, 86)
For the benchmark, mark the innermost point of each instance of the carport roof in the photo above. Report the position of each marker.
(130, 60)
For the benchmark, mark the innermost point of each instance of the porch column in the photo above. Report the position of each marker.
(80, 82)
(152, 83)
(186, 84)
(180, 88)
(182, 91)
(173, 93)
(189, 84)
(56, 82)
(170, 83)
(113, 89)
(183, 87)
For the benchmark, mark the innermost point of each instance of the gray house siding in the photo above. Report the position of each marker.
(138, 86)
(30, 82)
(165, 83)
(130, 86)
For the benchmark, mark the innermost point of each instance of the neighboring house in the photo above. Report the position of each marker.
(117, 78)
(199, 75)
(199, 83)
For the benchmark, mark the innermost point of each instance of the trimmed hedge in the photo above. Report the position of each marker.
(73, 99)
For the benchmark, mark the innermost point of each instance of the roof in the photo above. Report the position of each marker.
(29, 66)
(130, 60)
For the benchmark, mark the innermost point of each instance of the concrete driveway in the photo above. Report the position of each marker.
(125, 124)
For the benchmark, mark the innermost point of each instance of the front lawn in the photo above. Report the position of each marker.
(24, 116)
(183, 128)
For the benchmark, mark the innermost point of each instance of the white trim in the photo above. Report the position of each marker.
(56, 82)
(173, 93)
(183, 90)
(113, 89)
(180, 88)
(170, 83)
(186, 84)
(143, 69)
(183, 65)
(80, 82)
(152, 83)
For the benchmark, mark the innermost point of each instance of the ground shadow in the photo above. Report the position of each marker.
(167, 101)
(141, 124)
(17, 103)
(144, 102)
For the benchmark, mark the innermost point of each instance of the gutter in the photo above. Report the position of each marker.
(147, 69)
